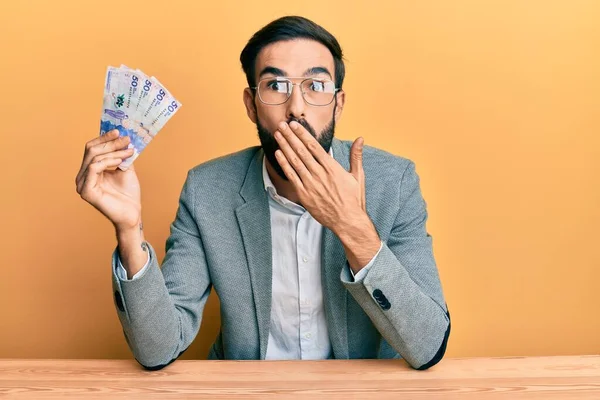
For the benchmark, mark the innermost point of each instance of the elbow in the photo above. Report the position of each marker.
(153, 367)
(440, 352)
(154, 353)
(148, 355)
(155, 363)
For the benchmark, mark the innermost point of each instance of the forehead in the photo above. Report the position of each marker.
(295, 56)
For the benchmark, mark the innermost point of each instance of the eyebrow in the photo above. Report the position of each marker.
(279, 72)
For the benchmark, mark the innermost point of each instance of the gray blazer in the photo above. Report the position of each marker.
(221, 238)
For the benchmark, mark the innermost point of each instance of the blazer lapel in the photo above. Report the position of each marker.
(333, 259)
(254, 220)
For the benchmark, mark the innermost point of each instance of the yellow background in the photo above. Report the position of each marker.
(497, 102)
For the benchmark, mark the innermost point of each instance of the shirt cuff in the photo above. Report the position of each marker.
(122, 273)
(364, 270)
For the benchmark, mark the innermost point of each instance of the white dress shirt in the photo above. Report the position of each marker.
(298, 328)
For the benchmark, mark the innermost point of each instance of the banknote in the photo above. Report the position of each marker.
(157, 99)
(137, 106)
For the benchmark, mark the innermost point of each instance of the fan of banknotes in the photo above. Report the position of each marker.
(137, 105)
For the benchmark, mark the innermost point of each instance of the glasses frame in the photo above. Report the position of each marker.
(289, 79)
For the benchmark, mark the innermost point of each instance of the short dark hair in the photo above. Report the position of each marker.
(290, 28)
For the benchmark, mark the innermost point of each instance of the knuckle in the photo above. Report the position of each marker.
(93, 151)
(94, 167)
(85, 194)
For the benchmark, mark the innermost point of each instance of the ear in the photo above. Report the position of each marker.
(248, 98)
(339, 105)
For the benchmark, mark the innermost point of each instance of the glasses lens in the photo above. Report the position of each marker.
(274, 91)
(318, 92)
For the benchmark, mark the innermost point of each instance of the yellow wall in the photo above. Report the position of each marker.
(497, 102)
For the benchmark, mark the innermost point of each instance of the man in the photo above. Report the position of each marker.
(317, 247)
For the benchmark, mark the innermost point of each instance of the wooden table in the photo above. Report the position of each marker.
(575, 377)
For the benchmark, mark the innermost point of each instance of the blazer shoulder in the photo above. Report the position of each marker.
(221, 176)
(226, 169)
(229, 161)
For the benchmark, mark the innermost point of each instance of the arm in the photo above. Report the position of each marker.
(161, 309)
(401, 291)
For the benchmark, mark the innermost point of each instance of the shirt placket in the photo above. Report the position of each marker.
(304, 259)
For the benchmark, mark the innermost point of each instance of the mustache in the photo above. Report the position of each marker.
(305, 124)
(270, 145)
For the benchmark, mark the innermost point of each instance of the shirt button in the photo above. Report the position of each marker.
(304, 259)
(308, 335)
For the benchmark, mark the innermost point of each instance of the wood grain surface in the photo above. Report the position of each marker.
(565, 377)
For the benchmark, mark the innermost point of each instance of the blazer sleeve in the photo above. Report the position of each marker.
(401, 292)
(161, 310)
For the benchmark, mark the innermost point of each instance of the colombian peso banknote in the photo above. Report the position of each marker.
(137, 106)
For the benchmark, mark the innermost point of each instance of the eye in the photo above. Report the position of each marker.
(317, 86)
(277, 86)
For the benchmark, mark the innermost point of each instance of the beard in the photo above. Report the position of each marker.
(270, 146)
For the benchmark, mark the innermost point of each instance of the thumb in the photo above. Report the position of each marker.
(356, 157)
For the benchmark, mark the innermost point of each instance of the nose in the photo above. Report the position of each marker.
(295, 104)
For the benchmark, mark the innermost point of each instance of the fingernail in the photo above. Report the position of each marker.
(293, 125)
(283, 126)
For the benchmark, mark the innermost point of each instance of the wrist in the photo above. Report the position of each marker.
(128, 228)
(130, 231)
(133, 251)
(360, 240)
(356, 223)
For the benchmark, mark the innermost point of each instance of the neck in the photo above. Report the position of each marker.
(284, 187)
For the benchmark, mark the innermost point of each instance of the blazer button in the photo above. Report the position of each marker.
(386, 306)
(119, 301)
(381, 299)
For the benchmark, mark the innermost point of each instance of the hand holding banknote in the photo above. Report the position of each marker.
(135, 108)
(113, 192)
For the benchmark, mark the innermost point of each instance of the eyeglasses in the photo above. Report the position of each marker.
(277, 90)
